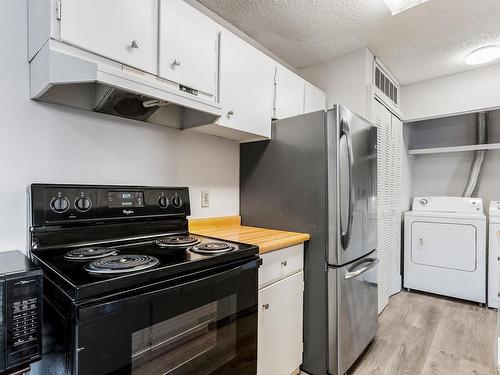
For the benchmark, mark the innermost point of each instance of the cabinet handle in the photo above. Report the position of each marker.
(284, 263)
(230, 113)
(135, 44)
(265, 306)
(176, 62)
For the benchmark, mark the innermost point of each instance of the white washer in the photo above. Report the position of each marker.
(494, 254)
(445, 247)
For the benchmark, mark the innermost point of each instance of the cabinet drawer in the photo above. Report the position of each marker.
(280, 263)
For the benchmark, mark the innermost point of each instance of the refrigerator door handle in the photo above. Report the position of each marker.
(345, 131)
(352, 274)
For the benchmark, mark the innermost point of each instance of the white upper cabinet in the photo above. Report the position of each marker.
(246, 87)
(121, 30)
(289, 96)
(314, 99)
(188, 46)
(186, 53)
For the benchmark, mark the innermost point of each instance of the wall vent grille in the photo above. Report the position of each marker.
(384, 84)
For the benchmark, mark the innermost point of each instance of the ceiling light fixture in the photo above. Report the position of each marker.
(483, 55)
(398, 6)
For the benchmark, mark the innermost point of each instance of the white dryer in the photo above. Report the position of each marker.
(494, 255)
(445, 247)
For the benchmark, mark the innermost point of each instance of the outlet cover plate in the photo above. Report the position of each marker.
(205, 198)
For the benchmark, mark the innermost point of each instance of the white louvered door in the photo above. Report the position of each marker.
(383, 121)
(389, 215)
(395, 250)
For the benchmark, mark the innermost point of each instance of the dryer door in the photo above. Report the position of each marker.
(444, 245)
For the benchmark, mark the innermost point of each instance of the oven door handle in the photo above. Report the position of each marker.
(106, 306)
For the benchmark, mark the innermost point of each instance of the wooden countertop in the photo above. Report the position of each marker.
(229, 228)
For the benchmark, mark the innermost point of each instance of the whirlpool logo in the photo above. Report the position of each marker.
(128, 212)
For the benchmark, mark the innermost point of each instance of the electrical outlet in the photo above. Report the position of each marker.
(205, 198)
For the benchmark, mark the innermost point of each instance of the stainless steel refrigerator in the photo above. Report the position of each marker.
(318, 175)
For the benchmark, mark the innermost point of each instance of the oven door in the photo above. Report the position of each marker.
(206, 325)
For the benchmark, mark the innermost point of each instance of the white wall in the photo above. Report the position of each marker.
(446, 174)
(345, 79)
(47, 143)
(458, 93)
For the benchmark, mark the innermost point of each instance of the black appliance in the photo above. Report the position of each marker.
(128, 290)
(20, 311)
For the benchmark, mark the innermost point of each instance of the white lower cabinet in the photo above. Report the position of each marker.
(281, 321)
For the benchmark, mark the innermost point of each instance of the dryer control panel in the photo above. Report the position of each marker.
(448, 204)
(495, 208)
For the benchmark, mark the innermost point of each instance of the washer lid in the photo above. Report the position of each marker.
(448, 204)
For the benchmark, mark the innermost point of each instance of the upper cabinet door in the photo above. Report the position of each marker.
(289, 100)
(314, 99)
(122, 30)
(246, 86)
(188, 46)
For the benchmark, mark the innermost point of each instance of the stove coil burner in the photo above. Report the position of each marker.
(121, 264)
(212, 248)
(176, 242)
(89, 253)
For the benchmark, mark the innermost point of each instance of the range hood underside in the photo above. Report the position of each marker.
(96, 96)
(62, 78)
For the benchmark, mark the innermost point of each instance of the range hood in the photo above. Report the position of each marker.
(81, 80)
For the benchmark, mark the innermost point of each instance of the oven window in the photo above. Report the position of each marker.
(196, 342)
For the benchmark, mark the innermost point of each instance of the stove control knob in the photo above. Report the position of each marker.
(83, 204)
(163, 202)
(59, 205)
(176, 201)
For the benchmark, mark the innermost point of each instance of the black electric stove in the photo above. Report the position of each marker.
(80, 279)
(105, 248)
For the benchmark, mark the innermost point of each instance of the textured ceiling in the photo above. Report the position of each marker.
(425, 42)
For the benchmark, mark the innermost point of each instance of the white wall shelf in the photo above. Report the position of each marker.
(441, 150)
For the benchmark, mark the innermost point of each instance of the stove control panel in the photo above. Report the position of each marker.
(64, 203)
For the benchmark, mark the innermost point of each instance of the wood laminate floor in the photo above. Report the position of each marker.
(422, 334)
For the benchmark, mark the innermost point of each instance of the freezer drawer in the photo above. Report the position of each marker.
(352, 312)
